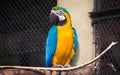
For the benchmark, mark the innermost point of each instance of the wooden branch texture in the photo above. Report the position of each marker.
(84, 69)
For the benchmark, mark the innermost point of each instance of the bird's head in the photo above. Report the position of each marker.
(60, 16)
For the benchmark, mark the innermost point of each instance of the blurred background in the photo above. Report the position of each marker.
(24, 27)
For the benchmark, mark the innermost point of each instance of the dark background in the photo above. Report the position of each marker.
(106, 25)
(23, 31)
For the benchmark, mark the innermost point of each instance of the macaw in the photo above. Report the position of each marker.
(62, 40)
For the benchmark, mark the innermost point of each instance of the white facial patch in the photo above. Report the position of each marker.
(59, 13)
(61, 18)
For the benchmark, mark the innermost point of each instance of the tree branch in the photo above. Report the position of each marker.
(59, 69)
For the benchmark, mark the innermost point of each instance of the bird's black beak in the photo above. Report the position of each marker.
(53, 19)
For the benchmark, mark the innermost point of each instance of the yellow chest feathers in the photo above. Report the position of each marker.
(65, 40)
(65, 33)
(64, 50)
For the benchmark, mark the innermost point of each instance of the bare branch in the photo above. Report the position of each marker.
(59, 69)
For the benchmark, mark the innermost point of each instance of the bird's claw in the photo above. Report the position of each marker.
(67, 65)
(59, 66)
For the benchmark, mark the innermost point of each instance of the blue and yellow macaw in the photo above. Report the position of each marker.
(62, 40)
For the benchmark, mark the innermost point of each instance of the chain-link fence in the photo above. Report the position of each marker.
(106, 23)
(108, 30)
(107, 4)
(24, 27)
(23, 31)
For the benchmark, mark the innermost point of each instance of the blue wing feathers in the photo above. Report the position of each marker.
(51, 45)
(75, 39)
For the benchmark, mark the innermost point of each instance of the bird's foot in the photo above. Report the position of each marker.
(59, 66)
(67, 65)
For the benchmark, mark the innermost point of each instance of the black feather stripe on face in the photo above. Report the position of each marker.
(61, 23)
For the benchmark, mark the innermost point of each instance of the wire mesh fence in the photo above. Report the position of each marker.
(24, 26)
(107, 4)
(23, 31)
(107, 29)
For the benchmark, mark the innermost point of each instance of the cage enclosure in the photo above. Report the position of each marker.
(23, 31)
